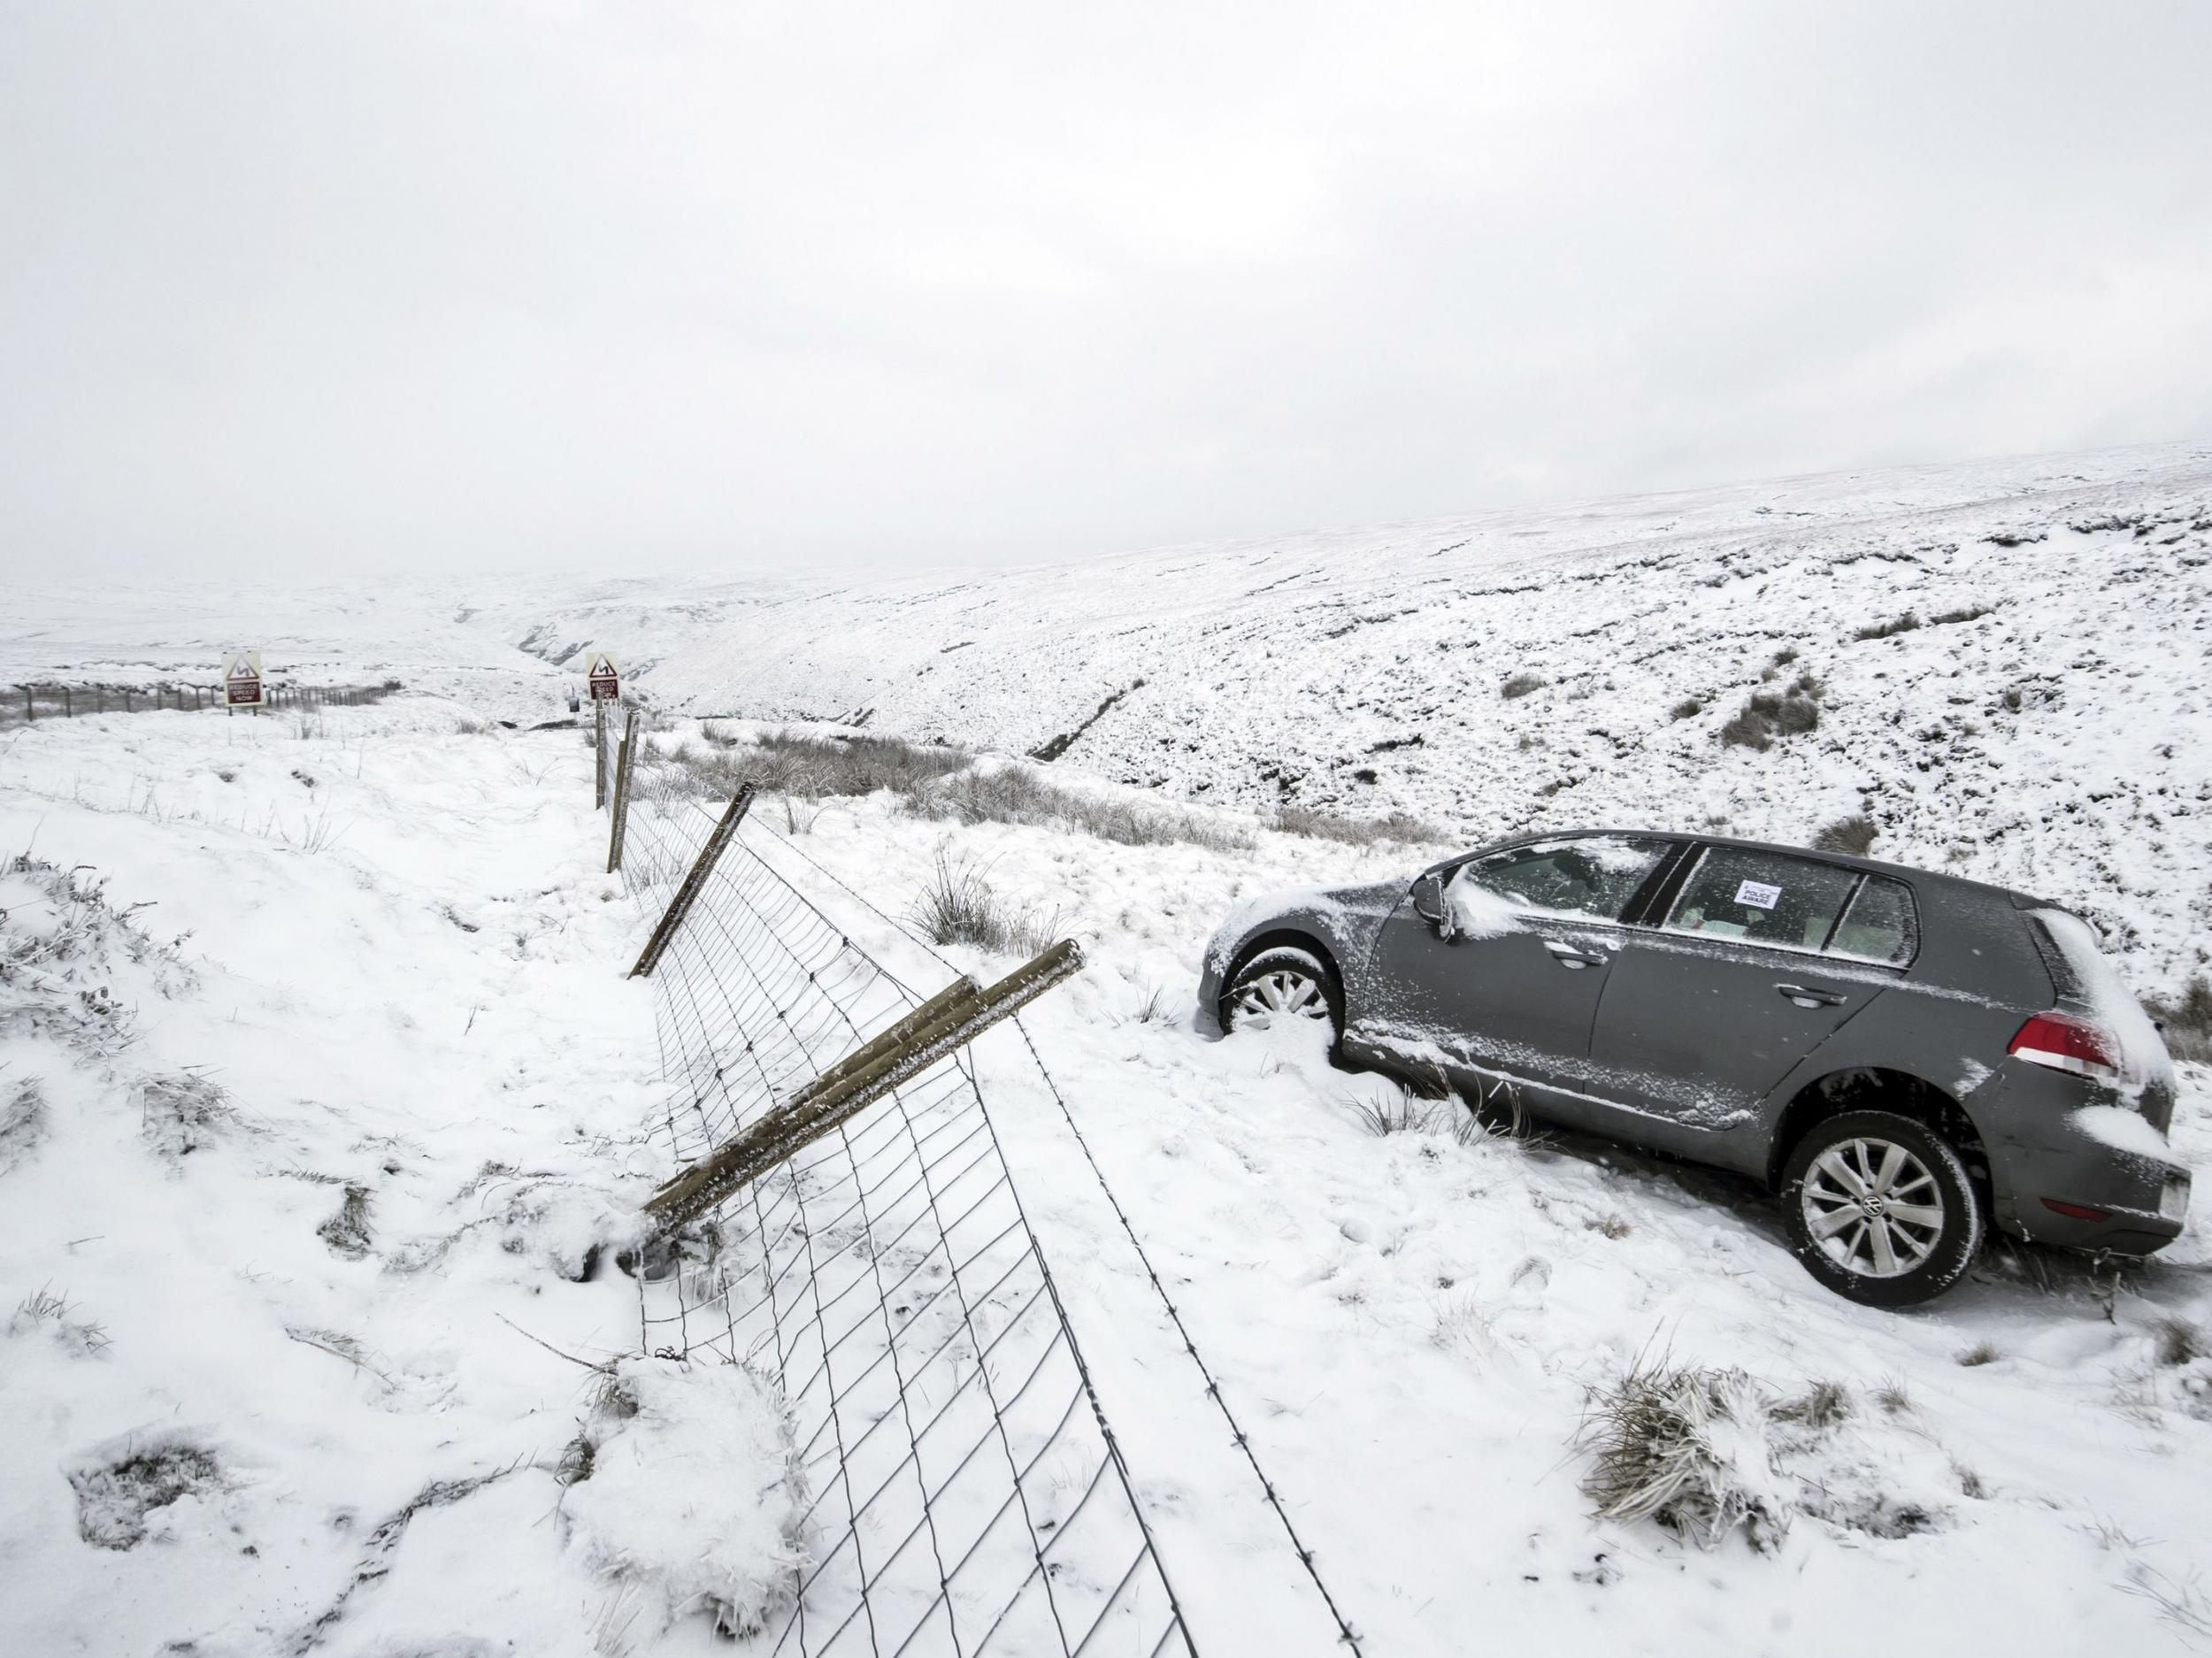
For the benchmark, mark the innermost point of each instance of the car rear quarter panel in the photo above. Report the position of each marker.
(1947, 1020)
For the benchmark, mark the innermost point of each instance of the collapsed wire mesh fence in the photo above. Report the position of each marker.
(967, 1494)
(1238, 1436)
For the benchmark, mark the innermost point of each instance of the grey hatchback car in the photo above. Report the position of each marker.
(1906, 1057)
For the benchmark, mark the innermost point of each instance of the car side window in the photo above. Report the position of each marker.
(1592, 877)
(1761, 897)
(1881, 924)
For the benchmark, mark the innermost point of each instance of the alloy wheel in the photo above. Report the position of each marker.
(1282, 993)
(1873, 1208)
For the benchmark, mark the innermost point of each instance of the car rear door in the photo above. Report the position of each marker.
(1707, 1011)
(1510, 992)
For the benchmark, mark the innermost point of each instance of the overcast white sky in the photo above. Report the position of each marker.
(725, 286)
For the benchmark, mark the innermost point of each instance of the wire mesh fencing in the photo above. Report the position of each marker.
(966, 1492)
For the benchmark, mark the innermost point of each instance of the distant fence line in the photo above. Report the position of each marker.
(30, 702)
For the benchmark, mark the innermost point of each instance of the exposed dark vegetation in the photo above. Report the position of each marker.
(1772, 714)
(1399, 827)
(1853, 836)
(1015, 794)
(347, 1232)
(114, 1498)
(960, 906)
(1905, 624)
(1688, 708)
(1521, 685)
(2185, 1020)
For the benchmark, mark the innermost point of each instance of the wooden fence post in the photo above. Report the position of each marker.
(702, 866)
(621, 812)
(30, 711)
(599, 756)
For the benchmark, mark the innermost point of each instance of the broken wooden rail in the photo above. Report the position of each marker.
(948, 1020)
(693, 881)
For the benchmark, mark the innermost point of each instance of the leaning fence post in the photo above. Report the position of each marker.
(702, 866)
(599, 756)
(621, 813)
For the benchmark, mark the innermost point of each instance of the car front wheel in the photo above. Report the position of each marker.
(1881, 1210)
(1283, 986)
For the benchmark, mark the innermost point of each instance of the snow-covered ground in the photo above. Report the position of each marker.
(288, 1211)
(367, 1092)
(404, 979)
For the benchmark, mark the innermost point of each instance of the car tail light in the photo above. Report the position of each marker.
(2064, 1042)
(2075, 1211)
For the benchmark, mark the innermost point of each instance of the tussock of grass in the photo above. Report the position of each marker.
(1769, 715)
(1017, 795)
(1399, 828)
(959, 905)
(1685, 1447)
(1521, 685)
(1905, 624)
(2185, 1021)
(1853, 836)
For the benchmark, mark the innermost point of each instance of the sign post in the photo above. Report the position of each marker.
(606, 681)
(243, 684)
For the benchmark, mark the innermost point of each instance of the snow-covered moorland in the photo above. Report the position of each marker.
(2008, 668)
(286, 1207)
(323, 1093)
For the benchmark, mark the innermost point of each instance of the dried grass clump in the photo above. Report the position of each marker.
(1017, 795)
(1687, 1447)
(115, 1493)
(959, 905)
(44, 1309)
(802, 765)
(1769, 715)
(1905, 624)
(1399, 828)
(347, 1232)
(181, 1113)
(61, 950)
(1853, 836)
(2185, 1021)
(22, 1123)
(1522, 685)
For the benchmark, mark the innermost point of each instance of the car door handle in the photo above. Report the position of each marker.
(1568, 956)
(1809, 996)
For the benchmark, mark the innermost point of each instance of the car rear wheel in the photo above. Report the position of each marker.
(1280, 986)
(1880, 1208)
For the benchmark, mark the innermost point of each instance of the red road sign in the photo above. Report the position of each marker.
(606, 684)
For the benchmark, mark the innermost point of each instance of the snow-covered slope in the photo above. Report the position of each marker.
(249, 1411)
(2054, 739)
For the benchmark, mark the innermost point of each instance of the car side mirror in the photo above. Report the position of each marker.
(1430, 904)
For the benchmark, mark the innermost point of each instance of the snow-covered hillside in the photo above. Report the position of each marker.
(2052, 736)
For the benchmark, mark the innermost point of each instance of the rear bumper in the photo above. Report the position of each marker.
(2058, 1180)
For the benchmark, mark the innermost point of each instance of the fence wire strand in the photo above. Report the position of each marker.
(967, 1494)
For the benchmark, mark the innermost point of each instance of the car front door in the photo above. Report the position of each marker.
(1706, 1012)
(1506, 989)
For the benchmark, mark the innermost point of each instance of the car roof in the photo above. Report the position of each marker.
(1908, 872)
